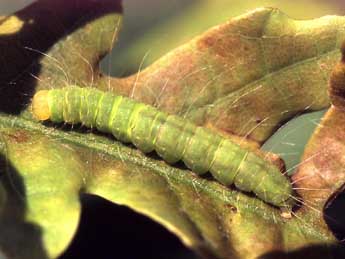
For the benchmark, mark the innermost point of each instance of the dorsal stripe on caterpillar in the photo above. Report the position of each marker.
(171, 136)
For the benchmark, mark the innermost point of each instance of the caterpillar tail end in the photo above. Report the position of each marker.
(40, 105)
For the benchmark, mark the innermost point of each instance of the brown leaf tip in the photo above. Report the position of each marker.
(337, 82)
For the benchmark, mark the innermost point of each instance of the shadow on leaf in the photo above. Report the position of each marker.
(18, 238)
(315, 252)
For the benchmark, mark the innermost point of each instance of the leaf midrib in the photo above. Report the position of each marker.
(180, 176)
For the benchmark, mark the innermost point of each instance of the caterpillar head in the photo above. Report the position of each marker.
(40, 105)
(337, 82)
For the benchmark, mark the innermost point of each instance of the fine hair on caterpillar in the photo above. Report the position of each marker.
(171, 136)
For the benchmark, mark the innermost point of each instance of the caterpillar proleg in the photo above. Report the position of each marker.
(171, 136)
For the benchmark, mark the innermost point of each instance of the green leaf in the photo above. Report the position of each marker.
(243, 79)
(42, 177)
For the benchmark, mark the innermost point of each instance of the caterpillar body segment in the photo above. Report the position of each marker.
(171, 136)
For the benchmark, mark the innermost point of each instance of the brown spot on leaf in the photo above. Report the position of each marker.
(232, 208)
(206, 42)
(258, 120)
(18, 136)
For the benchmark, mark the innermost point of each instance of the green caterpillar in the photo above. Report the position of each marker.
(171, 136)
